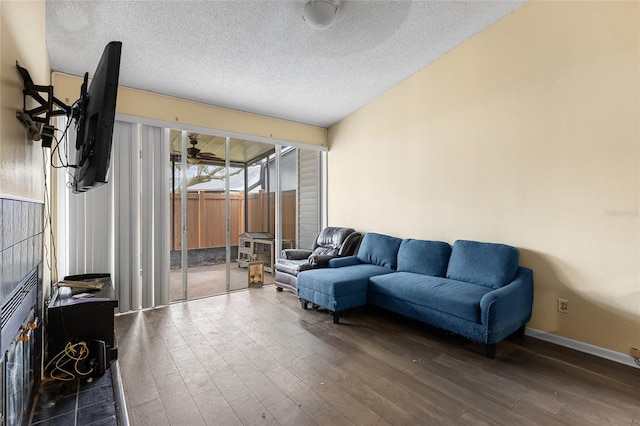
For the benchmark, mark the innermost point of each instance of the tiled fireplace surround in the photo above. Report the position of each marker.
(21, 239)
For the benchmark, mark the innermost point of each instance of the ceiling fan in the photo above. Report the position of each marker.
(195, 155)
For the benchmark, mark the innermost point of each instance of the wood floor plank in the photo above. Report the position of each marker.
(138, 382)
(531, 410)
(286, 412)
(150, 413)
(197, 380)
(307, 399)
(464, 376)
(472, 417)
(160, 360)
(228, 383)
(363, 371)
(383, 407)
(480, 406)
(331, 417)
(214, 408)
(596, 412)
(264, 389)
(251, 412)
(342, 401)
(181, 409)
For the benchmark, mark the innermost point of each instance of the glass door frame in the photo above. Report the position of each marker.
(184, 218)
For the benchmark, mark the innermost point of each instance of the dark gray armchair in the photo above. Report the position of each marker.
(331, 242)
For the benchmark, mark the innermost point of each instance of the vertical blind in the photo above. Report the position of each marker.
(122, 227)
(308, 197)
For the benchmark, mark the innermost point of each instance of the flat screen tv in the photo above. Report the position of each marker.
(97, 110)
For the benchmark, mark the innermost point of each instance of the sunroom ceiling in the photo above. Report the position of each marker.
(240, 151)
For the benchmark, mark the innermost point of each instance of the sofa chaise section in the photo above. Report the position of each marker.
(345, 284)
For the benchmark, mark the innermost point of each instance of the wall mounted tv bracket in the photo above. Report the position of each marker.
(37, 120)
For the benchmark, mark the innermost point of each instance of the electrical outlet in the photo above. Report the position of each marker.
(635, 352)
(563, 306)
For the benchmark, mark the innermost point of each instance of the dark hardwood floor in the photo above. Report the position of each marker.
(255, 357)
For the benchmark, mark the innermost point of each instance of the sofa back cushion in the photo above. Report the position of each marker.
(424, 257)
(488, 264)
(379, 249)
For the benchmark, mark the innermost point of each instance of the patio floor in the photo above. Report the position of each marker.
(210, 280)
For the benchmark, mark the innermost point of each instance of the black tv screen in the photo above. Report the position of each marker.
(95, 121)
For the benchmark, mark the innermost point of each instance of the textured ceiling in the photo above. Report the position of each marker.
(260, 56)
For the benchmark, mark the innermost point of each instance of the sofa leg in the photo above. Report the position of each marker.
(279, 288)
(490, 350)
(519, 334)
(303, 303)
(336, 317)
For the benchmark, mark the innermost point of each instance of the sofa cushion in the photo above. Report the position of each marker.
(488, 264)
(424, 257)
(379, 249)
(457, 298)
(340, 281)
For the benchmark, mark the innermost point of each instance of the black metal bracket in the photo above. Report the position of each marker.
(37, 120)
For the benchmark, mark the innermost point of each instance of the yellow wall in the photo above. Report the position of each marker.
(527, 134)
(188, 113)
(22, 38)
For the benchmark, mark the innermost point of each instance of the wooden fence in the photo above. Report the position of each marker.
(206, 217)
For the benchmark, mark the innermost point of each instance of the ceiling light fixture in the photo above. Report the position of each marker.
(320, 14)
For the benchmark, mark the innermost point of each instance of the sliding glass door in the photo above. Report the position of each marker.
(200, 193)
(223, 211)
(186, 214)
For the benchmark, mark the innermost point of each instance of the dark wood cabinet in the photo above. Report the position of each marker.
(76, 314)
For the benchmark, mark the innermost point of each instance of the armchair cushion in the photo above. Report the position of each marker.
(296, 254)
(292, 266)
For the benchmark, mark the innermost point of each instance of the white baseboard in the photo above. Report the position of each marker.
(582, 347)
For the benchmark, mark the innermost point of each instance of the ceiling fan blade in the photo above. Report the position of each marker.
(209, 156)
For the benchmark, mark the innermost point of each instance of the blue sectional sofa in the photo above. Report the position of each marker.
(474, 289)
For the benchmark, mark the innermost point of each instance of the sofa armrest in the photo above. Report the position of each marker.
(296, 254)
(509, 306)
(339, 262)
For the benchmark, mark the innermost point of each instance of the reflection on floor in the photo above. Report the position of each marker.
(210, 280)
(86, 401)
